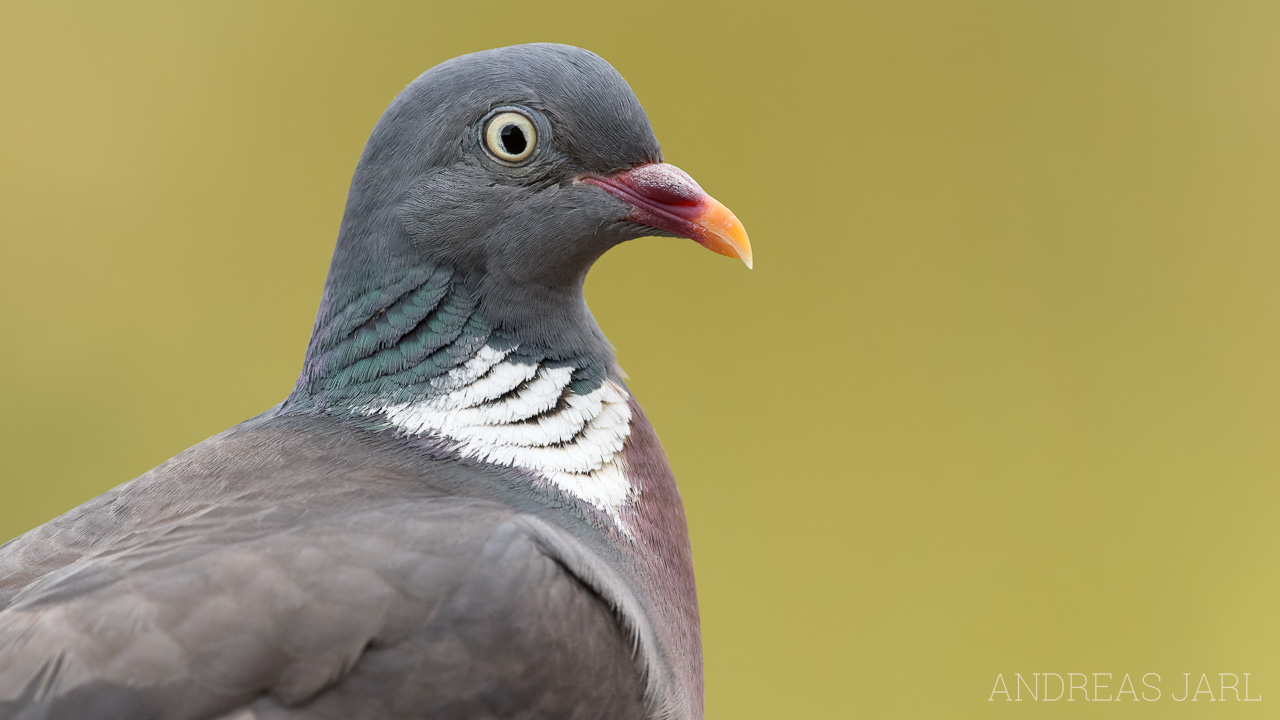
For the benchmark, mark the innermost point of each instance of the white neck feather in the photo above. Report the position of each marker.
(523, 415)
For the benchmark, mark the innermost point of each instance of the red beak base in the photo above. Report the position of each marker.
(665, 197)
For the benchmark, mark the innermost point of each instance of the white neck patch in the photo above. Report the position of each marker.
(521, 415)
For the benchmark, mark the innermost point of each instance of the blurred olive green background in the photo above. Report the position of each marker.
(1002, 395)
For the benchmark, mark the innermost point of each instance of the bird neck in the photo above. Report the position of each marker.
(395, 341)
(527, 383)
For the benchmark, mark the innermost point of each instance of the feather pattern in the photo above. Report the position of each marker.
(429, 365)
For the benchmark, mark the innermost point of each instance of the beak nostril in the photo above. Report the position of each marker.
(664, 183)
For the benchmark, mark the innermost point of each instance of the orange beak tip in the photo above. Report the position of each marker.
(721, 231)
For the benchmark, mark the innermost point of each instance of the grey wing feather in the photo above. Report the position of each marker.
(337, 606)
(366, 615)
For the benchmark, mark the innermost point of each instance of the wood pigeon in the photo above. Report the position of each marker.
(460, 511)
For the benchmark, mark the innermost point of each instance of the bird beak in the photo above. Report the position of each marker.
(665, 197)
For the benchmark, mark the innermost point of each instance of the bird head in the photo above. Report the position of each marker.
(519, 167)
(489, 187)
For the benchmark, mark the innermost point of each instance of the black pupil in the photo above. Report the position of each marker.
(513, 140)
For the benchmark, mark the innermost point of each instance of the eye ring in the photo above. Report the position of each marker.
(510, 136)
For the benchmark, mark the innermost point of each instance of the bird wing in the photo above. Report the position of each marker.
(252, 597)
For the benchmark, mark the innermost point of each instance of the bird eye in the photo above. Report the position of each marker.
(510, 136)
